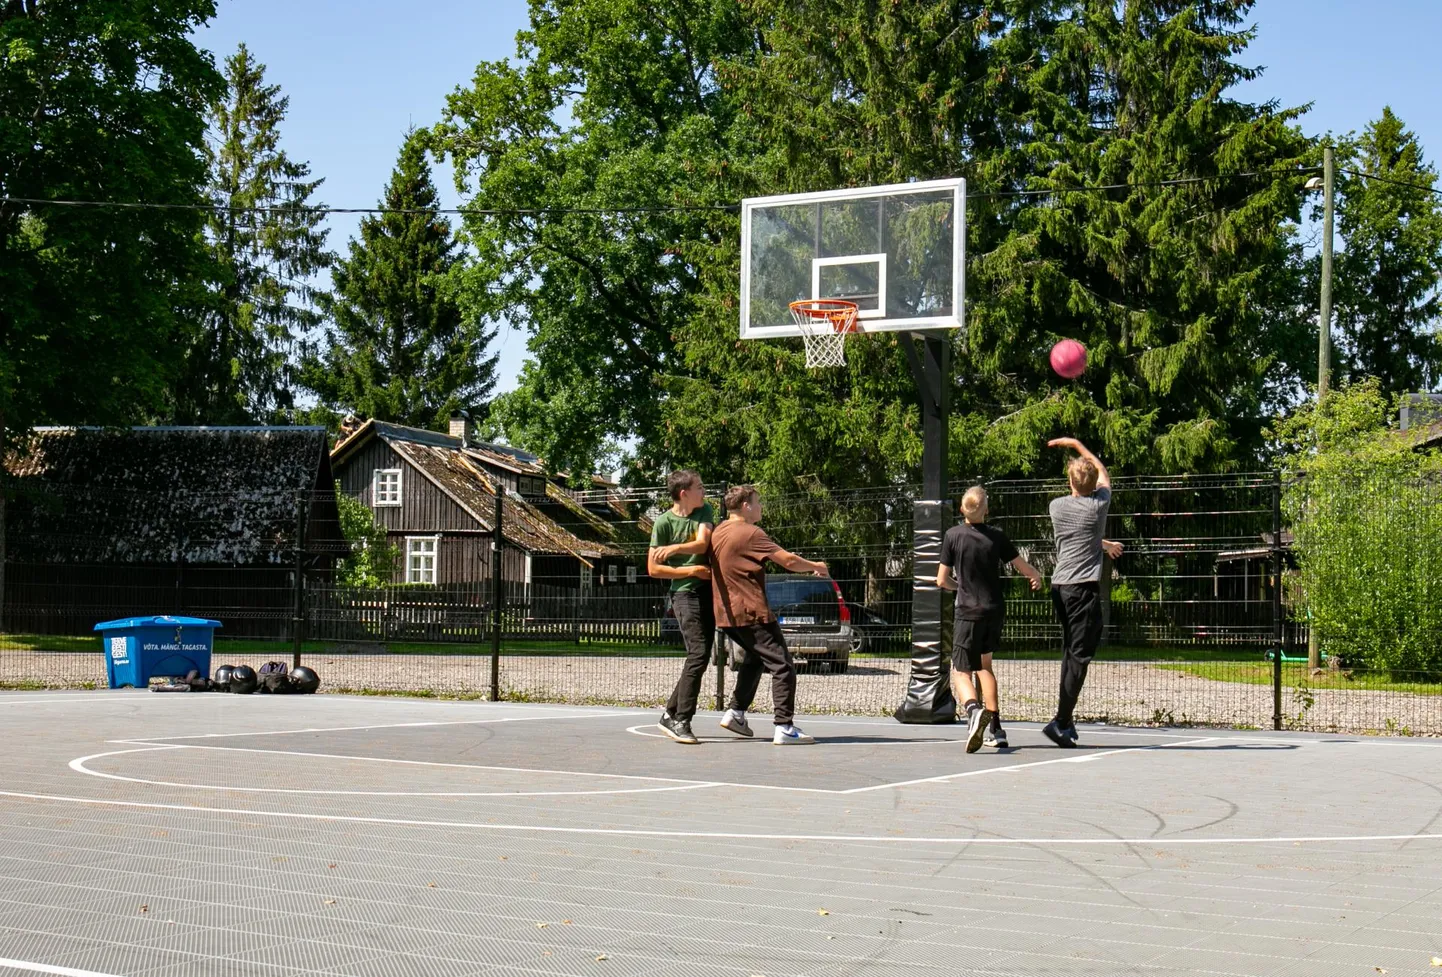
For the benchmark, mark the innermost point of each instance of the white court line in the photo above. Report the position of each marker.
(78, 765)
(45, 968)
(641, 730)
(424, 763)
(1085, 758)
(342, 729)
(1161, 842)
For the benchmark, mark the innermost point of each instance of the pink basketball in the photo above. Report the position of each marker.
(1069, 358)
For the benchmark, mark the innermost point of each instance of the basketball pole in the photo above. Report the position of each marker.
(928, 695)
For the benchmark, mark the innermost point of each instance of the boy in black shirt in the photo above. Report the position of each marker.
(971, 559)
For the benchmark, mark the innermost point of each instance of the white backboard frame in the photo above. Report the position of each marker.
(867, 320)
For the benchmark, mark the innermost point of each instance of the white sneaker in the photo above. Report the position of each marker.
(790, 734)
(736, 723)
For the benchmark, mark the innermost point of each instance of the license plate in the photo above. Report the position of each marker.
(798, 620)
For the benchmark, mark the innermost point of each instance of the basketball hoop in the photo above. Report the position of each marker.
(824, 326)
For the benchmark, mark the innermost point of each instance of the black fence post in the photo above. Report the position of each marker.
(718, 647)
(298, 621)
(1278, 625)
(498, 591)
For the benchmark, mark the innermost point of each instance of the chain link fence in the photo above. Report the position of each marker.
(1200, 626)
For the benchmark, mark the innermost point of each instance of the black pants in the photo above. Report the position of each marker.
(1079, 609)
(697, 620)
(765, 647)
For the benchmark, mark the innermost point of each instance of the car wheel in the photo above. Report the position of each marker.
(858, 642)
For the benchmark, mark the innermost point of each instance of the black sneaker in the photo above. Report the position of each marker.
(678, 729)
(995, 736)
(1070, 733)
(977, 723)
(1058, 736)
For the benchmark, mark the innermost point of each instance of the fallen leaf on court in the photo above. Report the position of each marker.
(330, 902)
(331, 865)
(600, 957)
(823, 912)
(545, 953)
(566, 922)
(541, 926)
(1380, 970)
(430, 885)
(831, 937)
(145, 908)
(1437, 961)
(505, 858)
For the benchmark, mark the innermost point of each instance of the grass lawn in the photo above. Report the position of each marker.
(1295, 675)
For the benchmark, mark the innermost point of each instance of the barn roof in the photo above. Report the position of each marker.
(144, 495)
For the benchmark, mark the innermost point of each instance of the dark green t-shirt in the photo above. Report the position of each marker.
(671, 529)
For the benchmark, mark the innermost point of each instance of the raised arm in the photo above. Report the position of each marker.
(1104, 480)
(797, 564)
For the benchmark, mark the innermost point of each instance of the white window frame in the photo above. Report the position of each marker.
(631, 574)
(416, 574)
(588, 576)
(611, 573)
(376, 499)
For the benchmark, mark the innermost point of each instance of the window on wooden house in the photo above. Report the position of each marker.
(421, 558)
(387, 486)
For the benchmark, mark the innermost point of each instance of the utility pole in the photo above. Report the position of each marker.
(1324, 320)
(1324, 336)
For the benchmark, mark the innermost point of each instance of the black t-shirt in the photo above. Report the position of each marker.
(975, 554)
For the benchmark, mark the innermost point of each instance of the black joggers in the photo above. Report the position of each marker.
(765, 647)
(697, 620)
(1079, 609)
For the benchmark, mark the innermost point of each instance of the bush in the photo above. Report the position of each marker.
(1366, 512)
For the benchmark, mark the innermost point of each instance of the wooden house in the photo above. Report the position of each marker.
(435, 495)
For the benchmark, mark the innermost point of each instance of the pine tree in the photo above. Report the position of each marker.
(1388, 270)
(398, 346)
(267, 242)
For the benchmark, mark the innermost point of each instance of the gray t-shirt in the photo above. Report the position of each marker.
(1079, 523)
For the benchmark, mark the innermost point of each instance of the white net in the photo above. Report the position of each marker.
(824, 325)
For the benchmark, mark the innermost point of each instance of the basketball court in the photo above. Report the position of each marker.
(252, 835)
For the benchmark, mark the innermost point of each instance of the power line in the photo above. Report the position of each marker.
(648, 209)
(1376, 177)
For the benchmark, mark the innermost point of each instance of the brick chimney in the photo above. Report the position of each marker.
(461, 427)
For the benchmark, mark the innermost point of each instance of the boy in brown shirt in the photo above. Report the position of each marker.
(739, 551)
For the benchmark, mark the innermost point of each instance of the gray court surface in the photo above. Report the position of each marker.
(233, 835)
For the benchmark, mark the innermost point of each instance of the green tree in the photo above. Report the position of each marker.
(99, 102)
(1182, 293)
(1387, 272)
(267, 243)
(398, 346)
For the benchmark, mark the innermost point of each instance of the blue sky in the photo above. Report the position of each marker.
(359, 73)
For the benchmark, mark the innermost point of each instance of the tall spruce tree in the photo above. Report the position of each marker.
(267, 243)
(1388, 270)
(398, 346)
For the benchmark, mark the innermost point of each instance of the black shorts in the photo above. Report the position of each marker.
(972, 639)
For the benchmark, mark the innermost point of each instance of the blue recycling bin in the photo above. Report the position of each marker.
(138, 649)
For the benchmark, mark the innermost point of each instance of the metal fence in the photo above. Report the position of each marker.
(1200, 628)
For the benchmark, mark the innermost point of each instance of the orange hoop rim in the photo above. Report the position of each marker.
(839, 312)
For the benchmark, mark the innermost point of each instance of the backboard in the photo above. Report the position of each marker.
(896, 251)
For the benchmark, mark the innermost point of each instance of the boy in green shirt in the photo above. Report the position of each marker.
(679, 540)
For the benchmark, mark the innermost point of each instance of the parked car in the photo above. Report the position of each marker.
(815, 619)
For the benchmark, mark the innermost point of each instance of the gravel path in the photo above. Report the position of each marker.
(1118, 692)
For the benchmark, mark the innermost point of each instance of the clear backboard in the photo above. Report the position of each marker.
(896, 251)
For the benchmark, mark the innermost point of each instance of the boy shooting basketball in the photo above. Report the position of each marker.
(1078, 523)
(739, 551)
(679, 540)
(972, 555)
